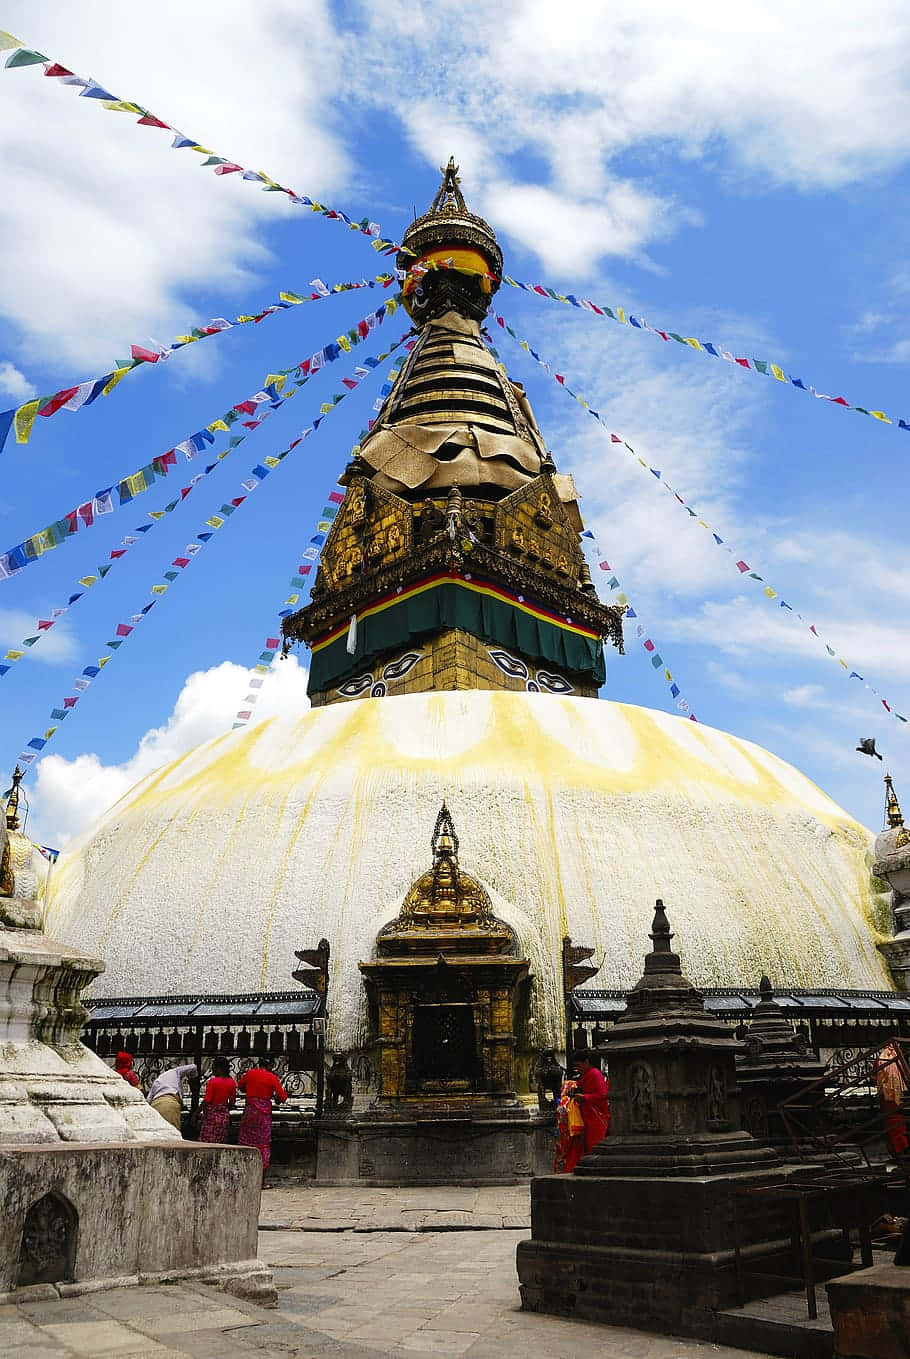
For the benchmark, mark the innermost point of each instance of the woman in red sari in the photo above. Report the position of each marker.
(588, 1099)
(260, 1085)
(220, 1093)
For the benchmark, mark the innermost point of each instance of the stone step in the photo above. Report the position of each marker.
(780, 1325)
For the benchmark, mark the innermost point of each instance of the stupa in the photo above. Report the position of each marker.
(456, 653)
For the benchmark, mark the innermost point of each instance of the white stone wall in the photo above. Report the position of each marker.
(574, 813)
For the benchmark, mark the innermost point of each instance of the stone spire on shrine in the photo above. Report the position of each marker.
(455, 560)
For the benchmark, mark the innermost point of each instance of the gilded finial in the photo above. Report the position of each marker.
(445, 841)
(12, 802)
(449, 197)
(893, 814)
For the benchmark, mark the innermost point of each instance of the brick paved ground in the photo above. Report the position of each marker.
(386, 1283)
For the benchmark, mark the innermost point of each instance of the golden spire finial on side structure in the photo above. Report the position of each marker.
(445, 841)
(12, 801)
(894, 817)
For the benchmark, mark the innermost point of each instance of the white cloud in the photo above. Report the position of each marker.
(70, 794)
(110, 229)
(57, 644)
(814, 97)
(15, 384)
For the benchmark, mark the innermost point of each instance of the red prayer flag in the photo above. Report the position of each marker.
(44, 624)
(151, 121)
(743, 363)
(363, 329)
(336, 497)
(123, 630)
(53, 69)
(248, 406)
(118, 552)
(604, 566)
(146, 355)
(648, 644)
(663, 335)
(225, 169)
(885, 705)
(238, 500)
(742, 566)
(350, 383)
(273, 643)
(55, 402)
(86, 513)
(70, 702)
(181, 562)
(184, 492)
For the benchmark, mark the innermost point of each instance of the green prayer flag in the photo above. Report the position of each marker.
(24, 57)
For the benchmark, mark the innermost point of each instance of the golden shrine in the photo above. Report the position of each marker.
(455, 560)
(444, 987)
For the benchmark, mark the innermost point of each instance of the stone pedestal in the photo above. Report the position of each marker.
(432, 1149)
(643, 1233)
(136, 1213)
(870, 1312)
(97, 1189)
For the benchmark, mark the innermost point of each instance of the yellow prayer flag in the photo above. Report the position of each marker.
(203, 150)
(49, 733)
(391, 306)
(620, 314)
(102, 661)
(187, 339)
(772, 594)
(880, 415)
(88, 581)
(667, 676)
(118, 375)
(8, 43)
(344, 342)
(694, 343)
(261, 669)
(271, 461)
(275, 380)
(218, 424)
(156, 514)
(14, 655)
(292, 599)
(842, 662)
(158, 589)
(215, 522)
(778, 372)
(246, 318)
(325, 408)
(622, 598)
(24, 419)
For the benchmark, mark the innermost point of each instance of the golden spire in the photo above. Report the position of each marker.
(12, 802)
(893, 814)
(449, 197)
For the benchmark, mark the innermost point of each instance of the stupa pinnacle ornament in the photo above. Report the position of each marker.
(457, 549)
(894, 817)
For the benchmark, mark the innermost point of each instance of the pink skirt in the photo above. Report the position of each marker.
(256, 1128)
(216, 1120)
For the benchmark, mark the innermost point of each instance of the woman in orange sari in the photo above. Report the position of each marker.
(583, 1115)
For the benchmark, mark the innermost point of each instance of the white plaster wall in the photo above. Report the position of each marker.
(574, 813)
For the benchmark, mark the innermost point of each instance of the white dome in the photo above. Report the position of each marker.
(573, 813)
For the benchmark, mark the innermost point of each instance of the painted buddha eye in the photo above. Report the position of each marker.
(554, 684)
(398, 669)
(352, 688)
(509, 665)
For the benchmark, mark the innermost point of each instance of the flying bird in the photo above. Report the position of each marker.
(867, 747)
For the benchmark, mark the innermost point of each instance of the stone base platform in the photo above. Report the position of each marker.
(77, 1218)
(427, 1151)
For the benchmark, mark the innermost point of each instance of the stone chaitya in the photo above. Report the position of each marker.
(643, 1232)
(80, 1149)
(444, 988)
(455, 561)
(892, 863)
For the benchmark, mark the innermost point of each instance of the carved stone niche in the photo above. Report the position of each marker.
(47, 1253)
(443, 991)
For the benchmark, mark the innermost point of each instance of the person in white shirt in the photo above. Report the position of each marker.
(165, 1096)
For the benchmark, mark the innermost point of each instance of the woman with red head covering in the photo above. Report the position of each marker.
(123, 1065)
(220, 1093)
(583, 1118)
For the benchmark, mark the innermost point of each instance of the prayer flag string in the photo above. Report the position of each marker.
(311, 555)
(22, 420)
(23, 554)
(742, 566)
(657, 661)
(21, 55)
(764, 367)
(35, 747)
(86, 582)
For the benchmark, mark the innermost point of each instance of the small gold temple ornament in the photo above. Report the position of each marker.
(894, 817)
(12, 801)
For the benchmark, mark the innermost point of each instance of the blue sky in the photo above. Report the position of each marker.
(741, 177)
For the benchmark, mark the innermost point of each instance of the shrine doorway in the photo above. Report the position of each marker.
(444, 1047)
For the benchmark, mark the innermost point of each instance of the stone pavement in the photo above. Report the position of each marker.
(344, 1293)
